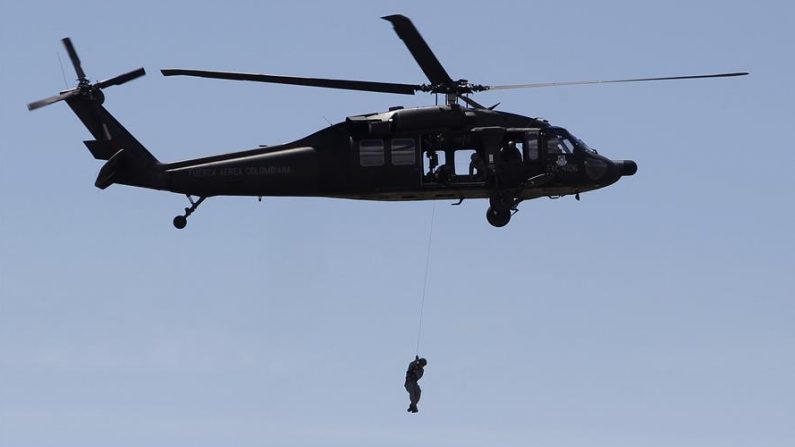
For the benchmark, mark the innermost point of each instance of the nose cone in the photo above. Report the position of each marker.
(626, 167)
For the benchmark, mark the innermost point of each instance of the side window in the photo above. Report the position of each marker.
(531, 146)
(403, 153)
(371, 153)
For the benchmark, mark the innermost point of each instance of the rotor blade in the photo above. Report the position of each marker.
(67, 42)
(368, 86)
(419, 49)
(558, 84)
(121, 79)
(52, 99)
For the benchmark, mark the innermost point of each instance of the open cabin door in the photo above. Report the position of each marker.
(521, 156)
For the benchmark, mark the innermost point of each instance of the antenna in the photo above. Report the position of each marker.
(63, 73)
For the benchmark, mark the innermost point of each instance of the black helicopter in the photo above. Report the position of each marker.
(401, 154)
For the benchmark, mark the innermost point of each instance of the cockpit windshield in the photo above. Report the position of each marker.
(561, 141)
(558, 143)
(581, 145)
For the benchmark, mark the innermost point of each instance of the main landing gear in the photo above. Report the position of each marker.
(502, 206)
(181, 221)
(498, 218)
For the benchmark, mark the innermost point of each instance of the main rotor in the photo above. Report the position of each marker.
(440, 80)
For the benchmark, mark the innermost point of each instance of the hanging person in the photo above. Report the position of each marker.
(413, 375)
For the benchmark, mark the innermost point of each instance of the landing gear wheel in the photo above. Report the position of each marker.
(180, 222)
(498, 218)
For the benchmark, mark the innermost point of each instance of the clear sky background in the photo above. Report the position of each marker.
(656, 312)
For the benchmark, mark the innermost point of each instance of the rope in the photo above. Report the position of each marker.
(425, 280)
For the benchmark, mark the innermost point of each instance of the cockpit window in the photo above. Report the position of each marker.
(581, 145)
(558, 144)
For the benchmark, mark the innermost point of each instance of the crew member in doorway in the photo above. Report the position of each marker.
(413, 375)
(510, 153)
(477, 167)
(433, 162)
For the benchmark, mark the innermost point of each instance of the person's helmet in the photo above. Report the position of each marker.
(423, 362)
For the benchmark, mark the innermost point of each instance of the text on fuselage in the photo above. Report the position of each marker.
(241, 171)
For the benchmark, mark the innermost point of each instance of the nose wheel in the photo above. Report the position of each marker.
(181, 221)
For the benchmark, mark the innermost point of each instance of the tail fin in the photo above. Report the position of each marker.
(128, 161)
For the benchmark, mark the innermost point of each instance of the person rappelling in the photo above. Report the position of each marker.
(417, 367)
(413, 375)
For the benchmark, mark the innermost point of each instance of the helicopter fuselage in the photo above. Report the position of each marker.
(409, 154)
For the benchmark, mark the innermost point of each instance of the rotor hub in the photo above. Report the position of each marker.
(459, 87)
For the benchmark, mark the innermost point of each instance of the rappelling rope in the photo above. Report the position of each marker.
(425, 279)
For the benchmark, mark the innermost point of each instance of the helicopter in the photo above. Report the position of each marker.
(398, 155)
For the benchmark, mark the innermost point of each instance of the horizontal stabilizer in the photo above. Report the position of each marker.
(108, 172)
(101, 150)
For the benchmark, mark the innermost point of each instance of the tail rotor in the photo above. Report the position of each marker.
(84, 87)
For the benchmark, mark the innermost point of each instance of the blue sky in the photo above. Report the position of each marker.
(655, 312)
